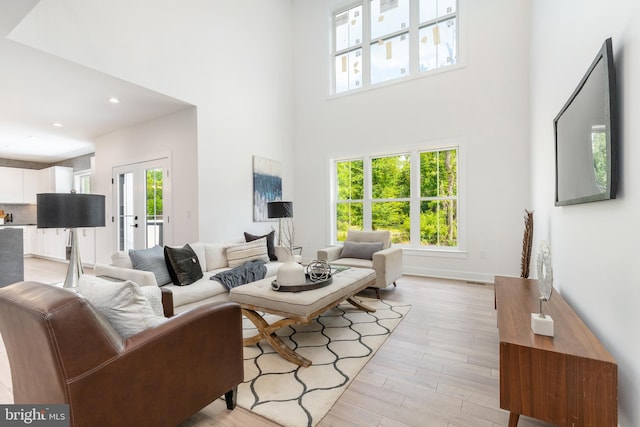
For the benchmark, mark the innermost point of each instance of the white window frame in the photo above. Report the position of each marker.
(414, 199)
(414, 45)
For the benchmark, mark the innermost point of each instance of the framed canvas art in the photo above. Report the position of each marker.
(267, 186)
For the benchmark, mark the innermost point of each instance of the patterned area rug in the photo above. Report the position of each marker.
(339, 343)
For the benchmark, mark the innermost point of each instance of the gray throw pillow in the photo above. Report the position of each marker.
(360, 250)
(152, 260)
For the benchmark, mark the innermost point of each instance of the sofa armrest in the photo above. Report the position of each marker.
(142, 278)
(281, 253)
(388, 266)
(329, 254)
(167, 302)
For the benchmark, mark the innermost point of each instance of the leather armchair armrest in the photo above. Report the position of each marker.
(331, 253)
(388, 266)
(167, 302)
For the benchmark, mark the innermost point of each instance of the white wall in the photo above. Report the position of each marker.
(483, 105)
(174, 136)
(232, 59)
(594, 246)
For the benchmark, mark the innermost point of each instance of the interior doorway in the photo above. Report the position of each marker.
(142, 197)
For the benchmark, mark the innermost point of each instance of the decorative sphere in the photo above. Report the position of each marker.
(319, 270)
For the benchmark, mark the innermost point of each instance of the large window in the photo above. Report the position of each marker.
(414, 195)
(379, 40)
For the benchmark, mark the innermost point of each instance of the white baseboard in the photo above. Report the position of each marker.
(450, 274)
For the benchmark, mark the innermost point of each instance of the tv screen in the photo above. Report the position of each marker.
(586, 136)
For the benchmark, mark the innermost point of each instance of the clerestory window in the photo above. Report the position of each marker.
(382, 40)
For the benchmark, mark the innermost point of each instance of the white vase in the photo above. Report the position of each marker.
(291, 273)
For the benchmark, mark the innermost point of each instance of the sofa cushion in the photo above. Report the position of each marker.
(243, 252)
(197, 291)
(121, 259)
(271, 250)
(152, 260)
(183, 265)
(198, 248)
(122, 303)
(360, 250)
(216, 255)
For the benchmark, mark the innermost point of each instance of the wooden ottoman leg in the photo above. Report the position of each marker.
(230, 397)
(268, 333)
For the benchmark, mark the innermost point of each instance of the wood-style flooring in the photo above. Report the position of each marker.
(438, 368)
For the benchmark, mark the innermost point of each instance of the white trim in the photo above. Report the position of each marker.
(450, 274)
(443, 144)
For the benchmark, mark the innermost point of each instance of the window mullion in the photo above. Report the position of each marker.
(414, 209)
(366, 43)
(414, 42)
(366, 205)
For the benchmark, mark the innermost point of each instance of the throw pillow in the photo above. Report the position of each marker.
(122, 303)
(183, 265)
(243, 252)
(152, 260)
(360, 250)
(271, 250)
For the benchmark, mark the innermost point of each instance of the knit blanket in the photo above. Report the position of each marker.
(248, 272)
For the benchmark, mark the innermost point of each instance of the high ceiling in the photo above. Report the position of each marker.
(38, 89)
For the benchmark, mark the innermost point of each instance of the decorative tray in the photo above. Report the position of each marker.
(309, 285)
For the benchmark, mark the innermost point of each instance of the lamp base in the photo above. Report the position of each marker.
(542, 325)
(75, 269)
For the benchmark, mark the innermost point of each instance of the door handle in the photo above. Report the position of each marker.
(134, 225)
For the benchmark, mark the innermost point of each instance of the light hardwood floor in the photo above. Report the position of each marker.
(438, 368)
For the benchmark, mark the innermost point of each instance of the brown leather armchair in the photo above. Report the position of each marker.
(61, 350)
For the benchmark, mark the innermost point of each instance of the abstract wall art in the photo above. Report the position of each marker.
(267, 186)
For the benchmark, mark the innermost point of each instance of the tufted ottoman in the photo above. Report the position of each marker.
(297, 307)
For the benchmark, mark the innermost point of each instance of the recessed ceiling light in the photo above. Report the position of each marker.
(56, 124)
(114, 100)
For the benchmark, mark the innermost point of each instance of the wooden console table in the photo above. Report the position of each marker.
(568, 380)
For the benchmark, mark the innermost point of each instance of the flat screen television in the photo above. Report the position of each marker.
(586, 136)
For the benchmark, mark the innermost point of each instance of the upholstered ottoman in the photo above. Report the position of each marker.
(297, 307)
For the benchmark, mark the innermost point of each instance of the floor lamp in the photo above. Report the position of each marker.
(280, 210)
(71, 210)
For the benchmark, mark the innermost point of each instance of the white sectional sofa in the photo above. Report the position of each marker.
(212, 258)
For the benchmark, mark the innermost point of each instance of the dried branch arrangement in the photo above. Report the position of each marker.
(527, 241)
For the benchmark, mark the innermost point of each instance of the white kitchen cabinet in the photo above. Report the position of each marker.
(30, 185)
(52, 243)
(11, 190)
(87, 246)
(56, 179)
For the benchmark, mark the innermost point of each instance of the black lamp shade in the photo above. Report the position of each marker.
(70, 210)
(280, 209)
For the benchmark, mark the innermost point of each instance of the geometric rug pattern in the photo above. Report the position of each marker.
(339, 343)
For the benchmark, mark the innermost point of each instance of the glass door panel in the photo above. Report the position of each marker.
(142, 198)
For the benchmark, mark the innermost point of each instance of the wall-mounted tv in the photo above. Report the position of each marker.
(586, 136)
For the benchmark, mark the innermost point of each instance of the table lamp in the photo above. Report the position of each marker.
(280, 210)
(71, 210)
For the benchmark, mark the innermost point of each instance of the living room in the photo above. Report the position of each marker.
(259, 73)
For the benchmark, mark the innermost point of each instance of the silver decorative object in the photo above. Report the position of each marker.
(545, 274)
(319, 270)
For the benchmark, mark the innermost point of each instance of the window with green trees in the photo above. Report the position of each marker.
(414, 195)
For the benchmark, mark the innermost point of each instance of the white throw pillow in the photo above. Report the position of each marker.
(122, 303)
(244, 252)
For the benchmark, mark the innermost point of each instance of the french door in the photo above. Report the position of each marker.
(142, 197)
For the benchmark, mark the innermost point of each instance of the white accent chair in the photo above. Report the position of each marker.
(386, 262)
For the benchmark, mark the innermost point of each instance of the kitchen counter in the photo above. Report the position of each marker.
(14, 224)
